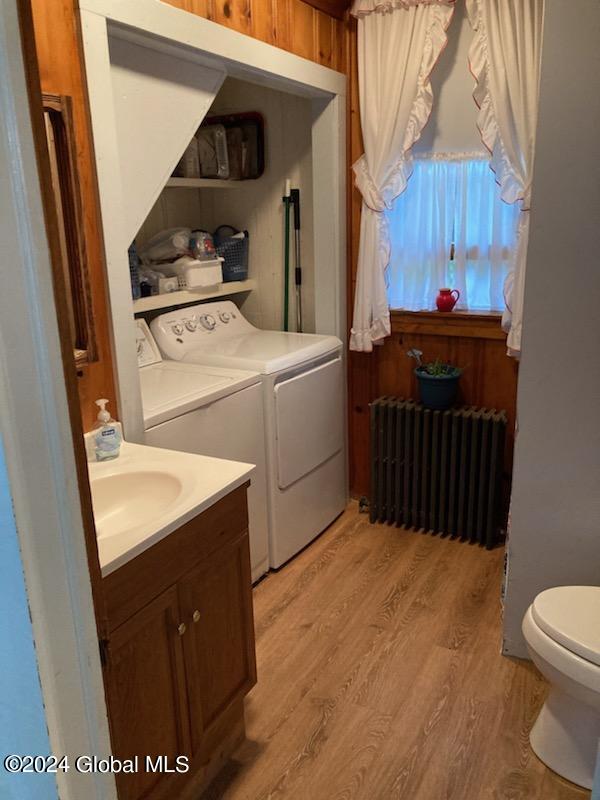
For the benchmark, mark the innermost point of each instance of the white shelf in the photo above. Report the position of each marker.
(182, 298)
(204, 183)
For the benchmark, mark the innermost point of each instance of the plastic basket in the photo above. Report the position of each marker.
(234, 252)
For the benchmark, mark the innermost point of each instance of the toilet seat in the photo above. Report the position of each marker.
(570, 616)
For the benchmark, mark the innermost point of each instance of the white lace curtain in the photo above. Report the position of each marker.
(505, 60)
(399, 42)
(450, 198)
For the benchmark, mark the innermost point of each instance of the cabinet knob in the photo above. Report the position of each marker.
(181, 628)
(196, 616)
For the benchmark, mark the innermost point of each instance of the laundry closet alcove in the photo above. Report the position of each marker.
(153, 72)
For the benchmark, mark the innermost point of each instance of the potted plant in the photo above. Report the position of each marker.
(438, 381)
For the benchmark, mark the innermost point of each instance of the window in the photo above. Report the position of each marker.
(450, 228)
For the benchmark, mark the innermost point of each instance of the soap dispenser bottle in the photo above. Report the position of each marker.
(107, 438)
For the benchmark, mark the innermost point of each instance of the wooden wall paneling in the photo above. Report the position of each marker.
(264, 20)
(355, 151)
(489, 378)
(236, 14)
(290, 24)
(325, 36)
(303, 30)
(206, 7)
(60, 60)
(342, 34)
(362, 391)
(203, 8)
(361, 366)
(283, 24)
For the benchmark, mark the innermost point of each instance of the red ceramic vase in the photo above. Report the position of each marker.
(445, 301)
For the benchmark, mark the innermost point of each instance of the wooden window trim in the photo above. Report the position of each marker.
(468, 324)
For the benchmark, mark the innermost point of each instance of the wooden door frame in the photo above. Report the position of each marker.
(41, 429)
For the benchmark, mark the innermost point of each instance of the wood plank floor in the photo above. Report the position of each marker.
(380, 678)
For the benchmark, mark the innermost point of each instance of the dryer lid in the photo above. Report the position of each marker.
(570, 615)
(264, 351)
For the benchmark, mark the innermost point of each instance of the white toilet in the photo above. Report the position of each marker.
(562, 631)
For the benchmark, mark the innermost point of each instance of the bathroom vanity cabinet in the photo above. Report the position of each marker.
(180, 654)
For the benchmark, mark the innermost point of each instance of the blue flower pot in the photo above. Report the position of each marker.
(438, 392)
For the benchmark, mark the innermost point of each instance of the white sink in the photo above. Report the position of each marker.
(147, 493)
(123, 501)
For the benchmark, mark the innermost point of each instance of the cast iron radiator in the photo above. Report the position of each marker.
(439, 471)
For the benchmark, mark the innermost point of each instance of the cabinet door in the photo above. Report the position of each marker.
(220, 663)
(146, 693)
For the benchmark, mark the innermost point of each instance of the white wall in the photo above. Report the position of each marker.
(452, 125)
(22, 717)
(174, 208)
(555, 510)
(256, 205)
(159, 101)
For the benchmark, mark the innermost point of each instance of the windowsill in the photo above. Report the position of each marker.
(468, 324)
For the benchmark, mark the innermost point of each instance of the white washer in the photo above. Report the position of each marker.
(212, 411)
(303, 395)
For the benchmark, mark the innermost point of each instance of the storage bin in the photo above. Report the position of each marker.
(212, 151)
(245, 134)
(234, 250)
(198, 275)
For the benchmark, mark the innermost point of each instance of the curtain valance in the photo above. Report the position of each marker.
(361, 8)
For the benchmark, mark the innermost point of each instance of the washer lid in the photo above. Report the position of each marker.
(170, 388)
(571, 616)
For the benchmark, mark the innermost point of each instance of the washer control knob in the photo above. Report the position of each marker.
(208, 321)
(224, 316)
(191, 324)
(177, 328)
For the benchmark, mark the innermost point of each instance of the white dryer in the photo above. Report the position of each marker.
(303, 396)
(212, 411)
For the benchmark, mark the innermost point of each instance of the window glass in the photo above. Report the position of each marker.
(450, 201)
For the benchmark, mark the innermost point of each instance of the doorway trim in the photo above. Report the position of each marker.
(38, 443)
